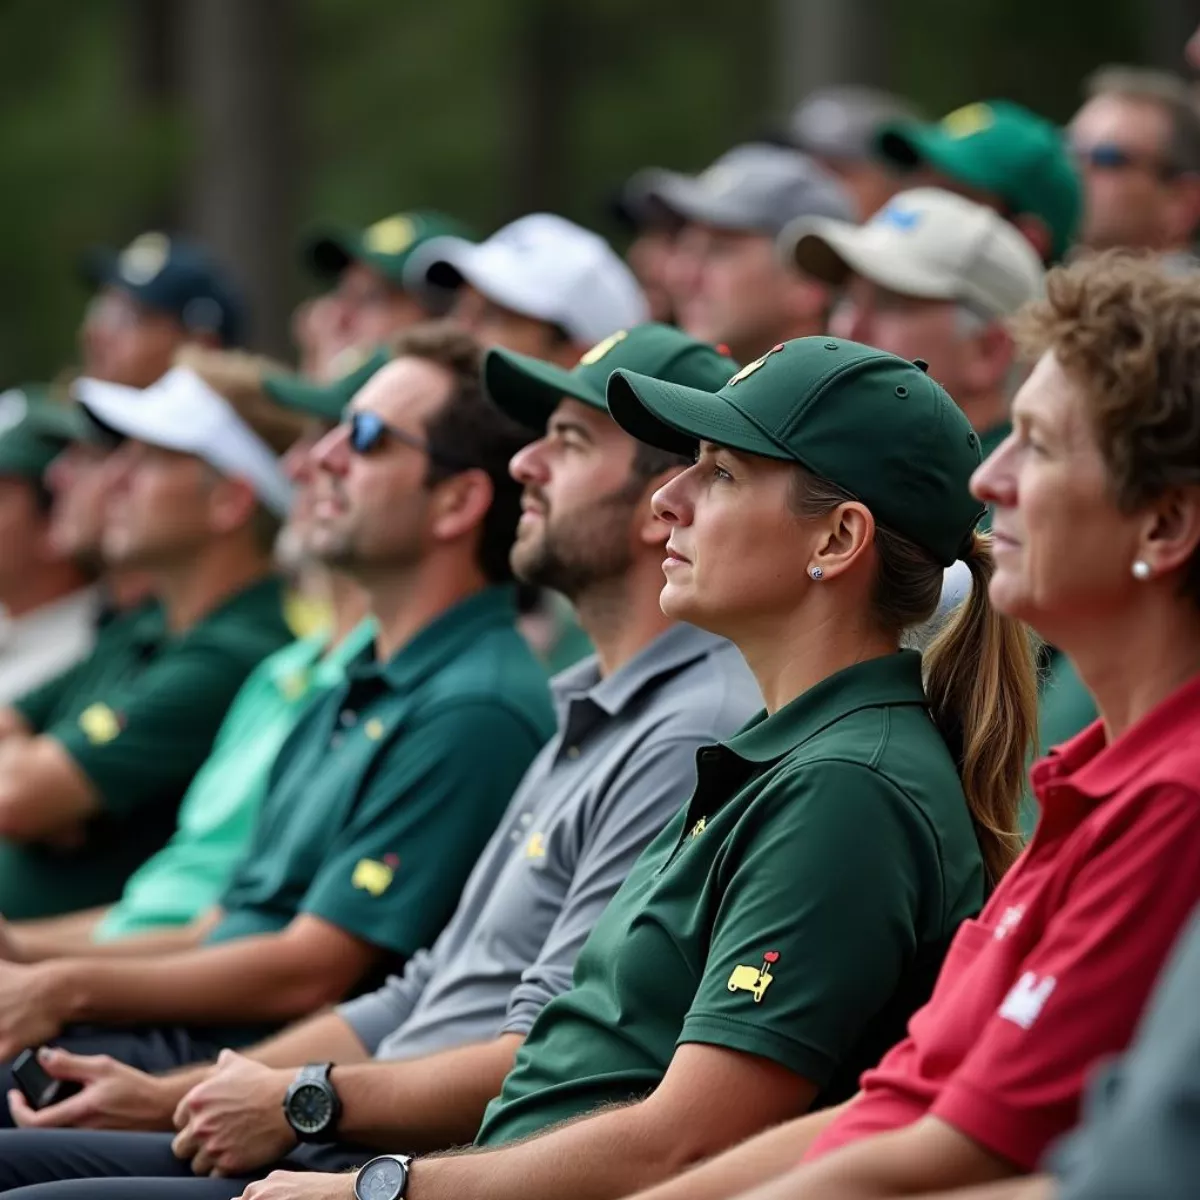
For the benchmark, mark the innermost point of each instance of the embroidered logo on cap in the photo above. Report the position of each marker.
(144, 257)
(967, 121)
(754, 980)
(392, 235)
(600, 349)
(751, 367)
(374, 729)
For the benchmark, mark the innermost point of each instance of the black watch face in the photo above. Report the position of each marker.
(310, 1109)
(381, 1179)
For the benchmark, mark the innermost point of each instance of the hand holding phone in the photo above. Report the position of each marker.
(39, 1088)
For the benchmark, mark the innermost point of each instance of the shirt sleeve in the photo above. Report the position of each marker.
(821, 891)
(426, 811)
(1111, 931)
(652, 785)
(37, 707)
(164, 729)
(1138, 1137)
(381, 1012)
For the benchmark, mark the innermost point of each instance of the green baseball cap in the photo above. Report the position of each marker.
(386, 245)
(1001, 148)
(34, 430)
(327, 401)
(866, 420)
(529, 389)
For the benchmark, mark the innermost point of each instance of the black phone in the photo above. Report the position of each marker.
(39, 1089)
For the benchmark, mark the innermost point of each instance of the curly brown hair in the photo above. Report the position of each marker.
(1127, 329)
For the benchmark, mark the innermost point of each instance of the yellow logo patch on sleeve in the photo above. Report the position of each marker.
(372, 876)
(754, 980)
(99, 724)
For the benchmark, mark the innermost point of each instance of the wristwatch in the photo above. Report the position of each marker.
(311, 1106)
(383, 1178)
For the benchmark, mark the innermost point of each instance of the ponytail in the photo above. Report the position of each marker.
(981, 682)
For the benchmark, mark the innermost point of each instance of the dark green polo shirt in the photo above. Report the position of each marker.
(798, 909)
(389, 787)
(138, 717)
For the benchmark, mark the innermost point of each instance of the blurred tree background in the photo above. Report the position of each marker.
(242, 121)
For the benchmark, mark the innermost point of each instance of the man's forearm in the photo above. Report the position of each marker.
(423, 1104)
(54, 937)
(261, 978)
(323, 1038)
(765, 1156)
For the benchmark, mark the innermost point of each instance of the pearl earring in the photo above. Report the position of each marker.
(1141, 570)
(816, 572)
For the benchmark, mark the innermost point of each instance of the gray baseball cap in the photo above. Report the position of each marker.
(842, 122)
(755, 188)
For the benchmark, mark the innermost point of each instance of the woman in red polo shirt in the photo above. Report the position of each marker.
(1096, 498)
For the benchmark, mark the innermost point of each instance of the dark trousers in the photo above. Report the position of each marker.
(79, 1164)
(149, 1049)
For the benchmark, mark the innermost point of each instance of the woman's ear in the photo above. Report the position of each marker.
(849, 531)
(1172, 531)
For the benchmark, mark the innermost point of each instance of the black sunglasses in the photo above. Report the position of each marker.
(368, 431)
(1108, 156)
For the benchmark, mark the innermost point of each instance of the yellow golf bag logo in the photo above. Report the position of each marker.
(754, 980)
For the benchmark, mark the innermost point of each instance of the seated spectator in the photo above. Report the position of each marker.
(94, 763)
(769, 941)
(1001, 155)
(368, 301)
(218, 812)
(654, 233)
(623, 762)
(837, 126)
(156, 295)
(377, 806)
(726, 281)
(1137, 140)
(1097, 527)
(542, 286)
(48, 599)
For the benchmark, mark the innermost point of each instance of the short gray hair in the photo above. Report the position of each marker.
(1171, 93)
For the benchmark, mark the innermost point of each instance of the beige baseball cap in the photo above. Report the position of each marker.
(925, 243)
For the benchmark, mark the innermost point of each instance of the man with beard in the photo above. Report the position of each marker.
(444, 1034)
(377, 806)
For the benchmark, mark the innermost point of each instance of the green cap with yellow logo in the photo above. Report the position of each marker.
(1001, 148)
(529, 389)
(326, 401)
(385, 246)
(866, 420)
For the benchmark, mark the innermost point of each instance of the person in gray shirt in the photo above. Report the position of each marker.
(415, 1063)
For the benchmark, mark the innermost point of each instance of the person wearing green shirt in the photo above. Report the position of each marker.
(94, 763)
(388, 787)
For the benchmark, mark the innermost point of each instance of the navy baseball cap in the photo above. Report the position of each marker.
(173, 276)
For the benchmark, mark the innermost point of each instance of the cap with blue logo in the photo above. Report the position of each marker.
(173, 276)
(925, 243)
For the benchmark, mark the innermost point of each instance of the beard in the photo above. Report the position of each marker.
(573, 553)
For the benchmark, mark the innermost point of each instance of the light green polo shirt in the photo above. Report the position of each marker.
(387, 790)
(798, 909)
(217, 815)
(138, 716)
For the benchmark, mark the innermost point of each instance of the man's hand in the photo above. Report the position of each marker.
(233, 1122)
(9, 950)
(32, 1007)
(114, 1096)
(302, 1185)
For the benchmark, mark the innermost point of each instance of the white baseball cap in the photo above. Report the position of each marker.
(925, 243)
(181, 412)
(540, 266)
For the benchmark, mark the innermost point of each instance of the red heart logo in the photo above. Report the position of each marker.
(771, 956)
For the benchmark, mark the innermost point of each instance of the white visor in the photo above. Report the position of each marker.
(181, 412)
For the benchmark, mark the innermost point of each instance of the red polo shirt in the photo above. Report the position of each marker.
(1054, 973)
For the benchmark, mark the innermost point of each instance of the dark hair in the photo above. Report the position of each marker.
(1128, 333)
(980, 677)
(470, 432)
(1171, 93)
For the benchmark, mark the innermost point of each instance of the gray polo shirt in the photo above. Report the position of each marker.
(621, 765)
(1140, 1132)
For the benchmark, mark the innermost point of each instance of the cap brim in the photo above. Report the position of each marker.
(300, 395)
(326, 253)
(529, 389)
(677, 418)
(832, 250)
(130, 413)
(905, 144)
(436, 266)
(688, 200)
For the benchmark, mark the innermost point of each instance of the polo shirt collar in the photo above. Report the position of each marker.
(445, 638)
(892, 679)
(670, 652)
(1096, 768)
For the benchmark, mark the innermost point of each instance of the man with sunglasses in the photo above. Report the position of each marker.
(387, 789)
(1137, 140)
